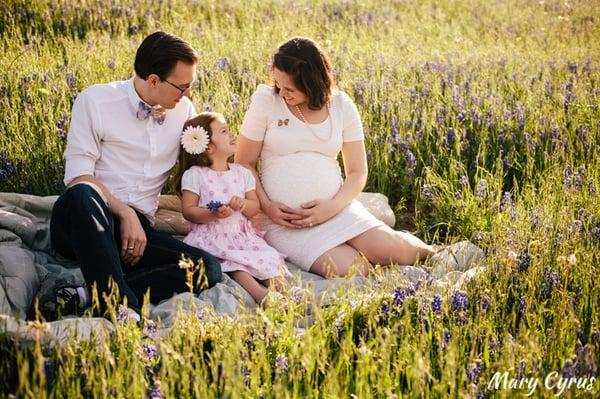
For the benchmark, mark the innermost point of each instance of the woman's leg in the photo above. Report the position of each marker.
(339, 261)
(250, 284)
(383, 245)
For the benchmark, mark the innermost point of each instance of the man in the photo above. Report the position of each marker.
(123, 141)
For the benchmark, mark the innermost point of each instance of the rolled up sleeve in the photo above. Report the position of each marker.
(83, 142)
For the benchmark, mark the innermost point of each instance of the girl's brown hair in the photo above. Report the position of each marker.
(307, 64)
(187, 160)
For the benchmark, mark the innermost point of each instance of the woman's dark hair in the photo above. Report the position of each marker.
(307, 64)
(187, 160)
(160, 52)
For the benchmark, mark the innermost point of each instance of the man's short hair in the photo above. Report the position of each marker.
(159, 53)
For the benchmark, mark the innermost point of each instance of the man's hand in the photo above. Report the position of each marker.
(238, 204)
(133, 237)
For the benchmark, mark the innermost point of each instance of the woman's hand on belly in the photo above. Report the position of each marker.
(281, 214)
(316, 212)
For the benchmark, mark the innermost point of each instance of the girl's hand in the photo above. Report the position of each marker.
(238, 204)
(281, 214)
(316, 212)
(224, 212)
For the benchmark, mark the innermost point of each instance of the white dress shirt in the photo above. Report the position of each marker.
(131, 157)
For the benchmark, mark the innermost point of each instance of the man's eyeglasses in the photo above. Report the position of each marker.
(181, 90)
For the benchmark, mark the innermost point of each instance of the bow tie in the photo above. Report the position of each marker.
(144, 111)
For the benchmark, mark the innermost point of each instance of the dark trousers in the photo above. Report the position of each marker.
(84, 229)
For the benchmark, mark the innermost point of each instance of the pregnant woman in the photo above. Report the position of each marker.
(297, 128)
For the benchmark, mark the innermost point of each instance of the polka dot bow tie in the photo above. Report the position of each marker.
(144, 111)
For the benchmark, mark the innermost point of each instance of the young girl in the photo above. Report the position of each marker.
(219, 197)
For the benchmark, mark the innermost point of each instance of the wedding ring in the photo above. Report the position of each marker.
(310, 224)
(130, 248)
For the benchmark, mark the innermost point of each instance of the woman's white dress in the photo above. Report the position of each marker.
(299, 164)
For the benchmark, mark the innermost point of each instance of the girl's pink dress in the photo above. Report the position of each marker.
(234, 240)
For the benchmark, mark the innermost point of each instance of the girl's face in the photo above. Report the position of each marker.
(222, 141)
(287, 89)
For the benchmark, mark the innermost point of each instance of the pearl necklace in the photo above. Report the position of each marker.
(310, 127)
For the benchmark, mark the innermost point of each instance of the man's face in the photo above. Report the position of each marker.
(169, 91)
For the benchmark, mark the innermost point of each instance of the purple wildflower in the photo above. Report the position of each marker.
(551, 282)
(281, 364)
(427, 191)
(446, 337)
(200, 313)
(122, 313)
(149, 351)
(222, 63)
(401, 293)
(596, 337)
(213, 206)
(524, 260)
(460, 301)
(149, 329)
(464, 181)
(522, 307)
(436, 304)
(568, 370)
(474, 372)
(521, 370)
(458, 196)
(155, 392)
(7, 166)
(506, 199)
(450, 136)
(590, 186)
(576, 226)
(485, 303)
(411, 160)
(481, 186)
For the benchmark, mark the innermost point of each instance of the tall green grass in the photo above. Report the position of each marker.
(481, 122)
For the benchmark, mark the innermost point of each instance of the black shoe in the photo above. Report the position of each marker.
(65, 302)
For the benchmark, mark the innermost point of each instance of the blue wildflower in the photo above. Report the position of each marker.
(214, 206)
(155, 392)
(522, 307)
(222, 63)
(281, 363)
(427, 191)
(149, 351)
(458, 196)
(506, 199)
(474, 372)
(149, 329)
(436, 304)
(551, 282)
(450, 136)
(401, 293)
(464, 181)
(481, 186)
(460, 301)
(485, 303)
(524, 260)
(446, 337)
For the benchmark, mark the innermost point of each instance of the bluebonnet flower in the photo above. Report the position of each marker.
(576, 226)
(446, 337)
(281, 363)
(214, 206)
(572, 66)
(583, 214)
(522, 307)
(401, 293)
(506, 199)
(155, 392)
(568, 370)
(222, 63)
(411, 160)
(551, 282)
(149, 351)
(427, 191)
(458, 196)
(590, 186)
(235, 101)
(71, 81)
(596, 337)
(530, 142)
(436, 304)
(450, 136)
(122, 313)
(149, 329)
(474, 372)
(460, 301)
(481, 186)
(7, 166)
(524, 260)
(485, 303)
(464, 181)
(385, 308)
(521, 370)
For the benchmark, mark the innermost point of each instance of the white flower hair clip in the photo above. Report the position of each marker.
(195, 140)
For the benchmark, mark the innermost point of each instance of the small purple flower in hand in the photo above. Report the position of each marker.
(214, 206)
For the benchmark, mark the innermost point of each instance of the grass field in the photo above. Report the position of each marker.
(482, 123)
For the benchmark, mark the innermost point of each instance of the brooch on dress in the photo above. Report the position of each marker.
(282, 122)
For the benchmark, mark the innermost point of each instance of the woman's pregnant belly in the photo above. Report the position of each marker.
(300, 177)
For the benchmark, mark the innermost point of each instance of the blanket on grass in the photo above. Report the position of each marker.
(30, 270)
